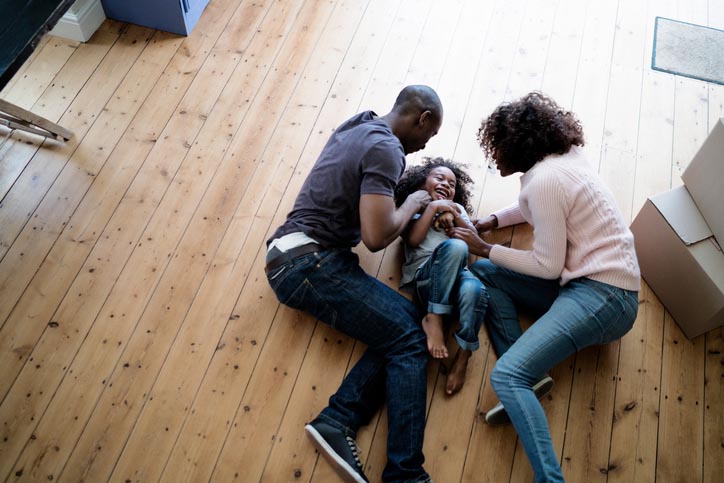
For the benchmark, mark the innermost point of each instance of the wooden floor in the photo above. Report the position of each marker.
(139, 340)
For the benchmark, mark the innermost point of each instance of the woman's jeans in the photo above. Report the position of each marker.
(584, 312)
(333, 287)
(444, 284)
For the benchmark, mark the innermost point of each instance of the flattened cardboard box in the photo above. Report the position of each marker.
(681, 260)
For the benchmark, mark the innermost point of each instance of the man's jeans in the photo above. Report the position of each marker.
(333, 287)
(584, 312)
(444, 284)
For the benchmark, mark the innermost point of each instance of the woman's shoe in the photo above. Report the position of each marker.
(497, 415)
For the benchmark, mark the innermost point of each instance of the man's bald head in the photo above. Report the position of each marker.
(415, 117)
(417, 99)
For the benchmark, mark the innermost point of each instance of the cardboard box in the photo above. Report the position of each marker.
(681, 261)
(704, 178)
(679, 235)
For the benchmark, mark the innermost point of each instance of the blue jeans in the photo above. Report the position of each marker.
(584, 312)
(445, 284)
(333, 287)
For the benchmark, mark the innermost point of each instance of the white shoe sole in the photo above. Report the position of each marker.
(343, 469)
(497, 415)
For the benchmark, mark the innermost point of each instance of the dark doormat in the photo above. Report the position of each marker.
(690, 50)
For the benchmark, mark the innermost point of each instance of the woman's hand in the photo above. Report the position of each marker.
(476, 245)
(488, 223)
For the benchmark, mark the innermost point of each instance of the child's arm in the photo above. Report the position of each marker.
(455, 218)
(462, 219)
(417, 229)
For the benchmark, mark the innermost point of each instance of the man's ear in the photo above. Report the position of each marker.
(424, 118)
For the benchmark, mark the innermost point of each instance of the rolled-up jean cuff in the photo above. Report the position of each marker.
(467, 346)
(440, 309)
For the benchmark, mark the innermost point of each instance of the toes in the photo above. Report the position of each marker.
(453, 386)
(436, 351)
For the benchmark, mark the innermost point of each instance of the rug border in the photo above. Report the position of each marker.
(653, 51)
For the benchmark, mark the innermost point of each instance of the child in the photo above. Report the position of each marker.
(435, 266)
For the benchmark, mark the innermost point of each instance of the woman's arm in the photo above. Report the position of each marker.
(508, 216)
(549, 210)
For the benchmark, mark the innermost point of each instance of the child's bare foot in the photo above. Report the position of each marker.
(432, 325)
(456, 374)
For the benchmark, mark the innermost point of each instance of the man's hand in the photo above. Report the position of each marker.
(381, 222)
(420, 197)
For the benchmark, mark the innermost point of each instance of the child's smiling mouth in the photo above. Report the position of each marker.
(442, 193)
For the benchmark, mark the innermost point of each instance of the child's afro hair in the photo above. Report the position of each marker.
(414, 177)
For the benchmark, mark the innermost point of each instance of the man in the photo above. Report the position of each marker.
(348, 197)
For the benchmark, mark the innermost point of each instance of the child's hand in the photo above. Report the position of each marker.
(444, 221)
(441, 206)
(445, 213)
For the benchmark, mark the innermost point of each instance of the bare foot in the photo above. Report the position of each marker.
(456, 374)
(432, 325)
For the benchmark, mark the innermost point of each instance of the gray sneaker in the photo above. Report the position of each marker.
(338, 449)
(497, 415)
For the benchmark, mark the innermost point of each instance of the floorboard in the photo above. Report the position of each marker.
(139, 339)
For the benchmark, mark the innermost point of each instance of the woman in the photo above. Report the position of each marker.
(580, 279)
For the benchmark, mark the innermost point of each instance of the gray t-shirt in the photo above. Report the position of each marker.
(362, 156)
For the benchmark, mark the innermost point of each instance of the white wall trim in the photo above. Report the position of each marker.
(80, 21)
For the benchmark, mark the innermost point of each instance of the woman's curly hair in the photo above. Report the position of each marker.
(414, 177)
(518, 134)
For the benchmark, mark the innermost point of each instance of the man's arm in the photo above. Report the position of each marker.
(381, 222)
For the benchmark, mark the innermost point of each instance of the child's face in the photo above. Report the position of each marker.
(440, 183)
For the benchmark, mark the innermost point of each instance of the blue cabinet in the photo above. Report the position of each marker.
(177, 16)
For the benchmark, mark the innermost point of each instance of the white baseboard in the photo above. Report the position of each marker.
(80, 21)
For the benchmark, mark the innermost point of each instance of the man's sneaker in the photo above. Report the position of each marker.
(337, 448)
(497, 415)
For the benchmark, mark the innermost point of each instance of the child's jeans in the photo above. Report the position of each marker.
(444, 283)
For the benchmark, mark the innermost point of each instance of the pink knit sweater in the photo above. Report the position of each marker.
(578, 229)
